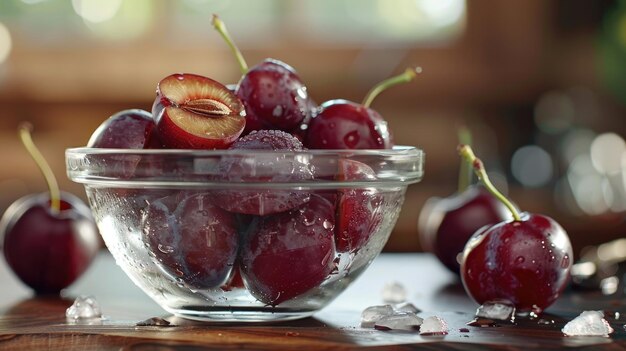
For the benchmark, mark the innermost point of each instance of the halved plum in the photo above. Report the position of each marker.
(196, 112)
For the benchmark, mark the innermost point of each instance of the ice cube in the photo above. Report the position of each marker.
(399, 321)
(394, 292)
(84, 307)
(406, 307)
(434, 326)
(588, 323)
(372, 314)
(502, 310)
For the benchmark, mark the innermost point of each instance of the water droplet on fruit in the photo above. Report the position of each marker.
(327, 224)
(351, 139)
(302, 92)
(565, 261)
(165, 249)
(180, 77)
(520, 260)
(278, 111)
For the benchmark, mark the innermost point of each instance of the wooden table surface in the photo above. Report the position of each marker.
(28, 322)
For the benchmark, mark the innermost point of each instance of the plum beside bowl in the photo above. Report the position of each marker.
(235, 235)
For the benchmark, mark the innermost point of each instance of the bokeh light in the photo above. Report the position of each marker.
(96, 11)
(576, 142)
(131, 20)
(554, 112)
(532, 166)
(442, 12)
(606, 153)
(5, 43)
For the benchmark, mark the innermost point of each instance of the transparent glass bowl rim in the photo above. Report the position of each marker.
(400, 166)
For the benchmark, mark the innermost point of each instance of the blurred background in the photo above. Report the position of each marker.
(541, 85)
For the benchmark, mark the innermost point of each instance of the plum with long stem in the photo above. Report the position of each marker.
(50, 238)
(272, 92)
(525, 260)
(343, 124)
(445, 224)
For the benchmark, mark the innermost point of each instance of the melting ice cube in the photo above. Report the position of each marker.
(588, 323)
(434, 326)
(399, 321)
(502, 310)
(406, 307)
(84, 307)
(372, 314)
(394, 293)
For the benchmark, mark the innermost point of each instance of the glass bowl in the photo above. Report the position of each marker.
(240, 235)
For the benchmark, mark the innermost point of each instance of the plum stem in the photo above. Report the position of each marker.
(466, 152)
(219, 25)
(25, 130)
(408, 75)
(465, 170)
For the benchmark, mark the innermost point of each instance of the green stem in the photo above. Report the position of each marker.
(55, 195)
(221, 28)
(466, 152)
(465, 170)
(408, 75)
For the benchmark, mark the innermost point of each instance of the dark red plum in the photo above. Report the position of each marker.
(446, 224)
(264, 168)
(359, 210)
(526, 262)
(343, 124)
(47, 249)
(128, 129)
(274, 97)
(193, 240)
(290, 253)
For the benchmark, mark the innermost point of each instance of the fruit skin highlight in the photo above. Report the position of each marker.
(526, 260)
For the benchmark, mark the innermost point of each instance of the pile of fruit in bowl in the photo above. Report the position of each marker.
(245, 203)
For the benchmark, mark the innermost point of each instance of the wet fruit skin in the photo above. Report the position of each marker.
(48, 251)
(342, 124)
(359, 211)
(445, 225)
(274, 97)
(196, 112)
(526, 262)
(192, 239)
(127, 129)
(263, 168)
(290, 253)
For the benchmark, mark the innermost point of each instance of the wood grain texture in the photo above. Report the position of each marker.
(28, 322)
